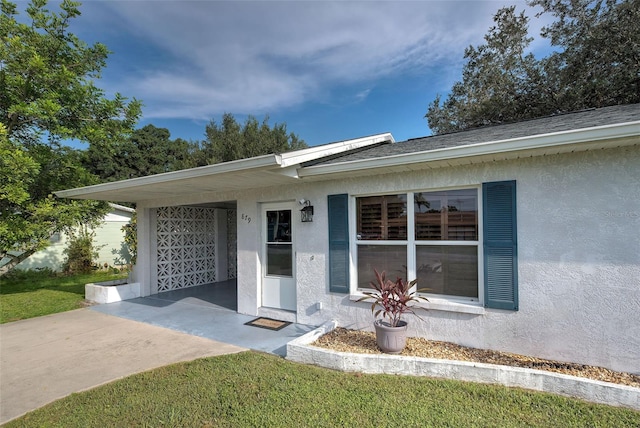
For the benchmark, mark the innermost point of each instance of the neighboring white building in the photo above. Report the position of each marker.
(527, 234)
(109, 240)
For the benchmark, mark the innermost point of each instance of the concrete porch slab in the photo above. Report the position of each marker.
(206, 311)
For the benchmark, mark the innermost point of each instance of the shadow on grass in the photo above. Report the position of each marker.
(33, 280)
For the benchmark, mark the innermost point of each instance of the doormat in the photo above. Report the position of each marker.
(268, 323)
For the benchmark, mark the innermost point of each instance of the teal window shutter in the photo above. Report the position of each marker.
(338, 207)
(500, 245)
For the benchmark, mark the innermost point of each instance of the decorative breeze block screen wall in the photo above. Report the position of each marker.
(186, 247)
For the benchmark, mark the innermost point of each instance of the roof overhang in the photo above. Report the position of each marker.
(228, 176)
(251, 173)
(601, 137)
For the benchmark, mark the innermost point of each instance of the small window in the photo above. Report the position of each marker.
(382, 218)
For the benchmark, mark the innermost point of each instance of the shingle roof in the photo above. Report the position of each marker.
(546, 125)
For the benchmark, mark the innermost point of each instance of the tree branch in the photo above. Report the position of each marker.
(14, 260)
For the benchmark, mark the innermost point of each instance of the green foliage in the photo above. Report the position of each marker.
(17, 170)
(230, 141)
(33, 293)
(131, 237)
(47, 94)
(251, 389)
(148, 151)
(46, 80)
(497, 80)
(598, 58)
(29, 214)
(81, 252)
(595, 64)
(151, 151)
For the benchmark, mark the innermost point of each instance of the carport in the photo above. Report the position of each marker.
(187, 220)
(211, 224)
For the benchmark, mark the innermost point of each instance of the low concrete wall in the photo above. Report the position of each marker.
(111, 291)
(590, 390)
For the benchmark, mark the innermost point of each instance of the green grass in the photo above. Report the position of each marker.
(251, 389)
(28, 294)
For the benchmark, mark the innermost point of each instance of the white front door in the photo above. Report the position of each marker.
(278, 282)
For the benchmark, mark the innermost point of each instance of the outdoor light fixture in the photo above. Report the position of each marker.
(307, 210)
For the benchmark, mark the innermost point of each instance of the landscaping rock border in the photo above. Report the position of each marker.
(300, 350)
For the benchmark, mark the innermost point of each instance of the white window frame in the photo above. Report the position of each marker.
(436, 301)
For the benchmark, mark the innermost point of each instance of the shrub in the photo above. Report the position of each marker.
(131, 238)
(80, 252)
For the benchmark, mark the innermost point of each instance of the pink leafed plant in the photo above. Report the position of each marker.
(391, 299)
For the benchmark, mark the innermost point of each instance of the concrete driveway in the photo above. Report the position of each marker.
(47, 358)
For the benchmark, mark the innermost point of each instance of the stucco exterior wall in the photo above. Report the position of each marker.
(578, 264)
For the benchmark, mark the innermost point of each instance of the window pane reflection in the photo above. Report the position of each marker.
(450, 215)
(382, 217)
(279, 260)
(389, 258)
(279, 248)
(448, 270)
(279, 226)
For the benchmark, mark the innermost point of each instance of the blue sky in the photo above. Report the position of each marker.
(331, 71)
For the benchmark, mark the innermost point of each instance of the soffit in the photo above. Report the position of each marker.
(183, 183)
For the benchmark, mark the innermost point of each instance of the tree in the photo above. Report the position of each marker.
(47, 95)
(499, 80)
(149, 151)
(230, 141)
(596, 64)
(29, 213)
(46, 81)
(598, 61)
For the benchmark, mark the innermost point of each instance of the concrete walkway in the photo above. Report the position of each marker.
(47, 358)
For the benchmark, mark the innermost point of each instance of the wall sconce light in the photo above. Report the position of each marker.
(306, 212)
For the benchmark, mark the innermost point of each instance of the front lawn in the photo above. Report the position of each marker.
(28, 294)
(252, 389)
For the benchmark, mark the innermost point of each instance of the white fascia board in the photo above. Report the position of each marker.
(557, 139)
(203, 171)
(312, 153)
(121, 208)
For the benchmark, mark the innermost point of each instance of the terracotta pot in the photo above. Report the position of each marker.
(391, 340)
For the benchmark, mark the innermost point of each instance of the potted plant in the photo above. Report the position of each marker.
(391, 299)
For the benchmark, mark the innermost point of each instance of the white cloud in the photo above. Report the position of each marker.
(362, 95)
(208, 57)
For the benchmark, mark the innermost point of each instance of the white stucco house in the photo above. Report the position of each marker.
(527, 235)
(109, 241)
